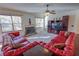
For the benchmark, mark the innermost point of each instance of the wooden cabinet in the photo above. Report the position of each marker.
(65, 20)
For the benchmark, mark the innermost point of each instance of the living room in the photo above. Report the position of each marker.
(34, 22)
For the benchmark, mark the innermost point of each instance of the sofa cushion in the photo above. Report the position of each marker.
(12, 36)
(70, 39)
(67, 34)
(59, 46)
(19, 39)
(62, 33)
(7, 40)
(18, 45)
(15, 33)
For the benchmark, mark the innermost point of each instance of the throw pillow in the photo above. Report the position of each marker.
(15, 46)
(7, 40)
(59, 46)
(67, 34)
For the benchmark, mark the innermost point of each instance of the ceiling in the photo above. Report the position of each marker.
(40, 7)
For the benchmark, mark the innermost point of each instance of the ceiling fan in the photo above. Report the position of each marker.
(49, 11)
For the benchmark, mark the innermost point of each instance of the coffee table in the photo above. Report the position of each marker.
(38, 51)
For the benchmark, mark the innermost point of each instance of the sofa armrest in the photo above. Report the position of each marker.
(66, 52)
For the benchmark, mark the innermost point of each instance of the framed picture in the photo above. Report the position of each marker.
(29, 21)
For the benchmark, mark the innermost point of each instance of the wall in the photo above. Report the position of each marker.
(71, 23)
(77, 21)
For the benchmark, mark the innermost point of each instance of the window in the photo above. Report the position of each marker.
(6, 23)
(16, 22)
(10, 23)
(39, 22)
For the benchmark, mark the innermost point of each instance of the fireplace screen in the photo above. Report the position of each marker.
(30, 30)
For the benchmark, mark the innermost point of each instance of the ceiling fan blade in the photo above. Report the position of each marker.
(53, 12)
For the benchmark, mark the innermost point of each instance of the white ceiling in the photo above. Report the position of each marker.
(40, 7)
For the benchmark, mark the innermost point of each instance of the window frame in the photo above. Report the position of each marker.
(16, 23)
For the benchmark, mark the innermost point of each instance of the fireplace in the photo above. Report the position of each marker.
(30, 30)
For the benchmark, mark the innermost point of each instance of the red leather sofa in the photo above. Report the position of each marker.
(8, 51)
(68, 50)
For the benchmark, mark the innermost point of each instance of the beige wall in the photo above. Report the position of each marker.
(70, 23)
(78, 27)
(77, 21)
